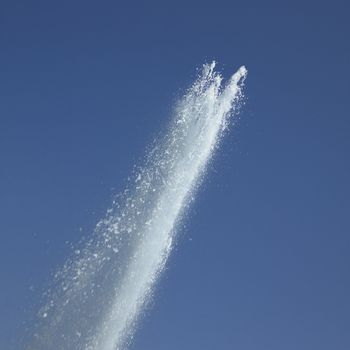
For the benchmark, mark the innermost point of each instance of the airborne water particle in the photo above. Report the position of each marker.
(102, 289)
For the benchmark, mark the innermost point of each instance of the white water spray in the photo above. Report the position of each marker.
(101, 291)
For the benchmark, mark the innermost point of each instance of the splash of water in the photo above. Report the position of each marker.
(101, 291)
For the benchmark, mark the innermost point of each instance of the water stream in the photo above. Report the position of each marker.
(99, 294)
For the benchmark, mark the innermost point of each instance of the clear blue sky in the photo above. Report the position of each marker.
(86, 85)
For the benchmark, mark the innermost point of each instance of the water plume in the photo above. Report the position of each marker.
(98, 295)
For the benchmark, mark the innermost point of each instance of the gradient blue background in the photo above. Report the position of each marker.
(85, 86)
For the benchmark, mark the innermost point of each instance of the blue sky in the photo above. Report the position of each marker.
(263, 262)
